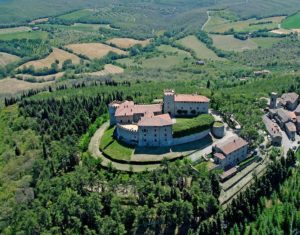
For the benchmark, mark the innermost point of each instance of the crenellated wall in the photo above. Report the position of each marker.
(126, 135)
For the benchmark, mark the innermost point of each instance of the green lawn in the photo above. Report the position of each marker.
(114, 148)
(24, 35)
(189, 126)
(292, 22)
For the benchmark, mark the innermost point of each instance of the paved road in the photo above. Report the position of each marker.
(95, 152)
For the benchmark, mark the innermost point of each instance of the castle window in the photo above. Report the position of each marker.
(155, 135)
(166, 135)
(121, 121)
(155, 140)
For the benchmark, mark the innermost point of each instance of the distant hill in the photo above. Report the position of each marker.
(20, 11)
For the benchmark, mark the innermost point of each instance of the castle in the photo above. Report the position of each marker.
(151, 125)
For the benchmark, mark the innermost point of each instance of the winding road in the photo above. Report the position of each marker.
(96, 153)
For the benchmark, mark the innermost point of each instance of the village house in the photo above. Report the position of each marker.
(230, 152)
(151, 124)
(273, 130)
(286, 112)
(289, 101)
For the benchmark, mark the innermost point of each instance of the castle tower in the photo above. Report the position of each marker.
(112, 107)
(169, 102)
(273, 101)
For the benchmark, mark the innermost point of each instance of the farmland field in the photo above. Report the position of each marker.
(94, 50)
(265, 42)
(6, 58)
(292, 22)
(57, 54)
(14, 30)
(10, 86)
(169, 57)
(108, 69)
(229, 43)
(51, 77)
(24, 35)
(202, 52)
(127, 42)
(76, 27)
(218, 24)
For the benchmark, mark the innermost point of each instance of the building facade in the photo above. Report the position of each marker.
(151, 125)
(230, 152)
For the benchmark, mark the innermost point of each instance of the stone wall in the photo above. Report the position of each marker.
(126, 135)
(190, 138)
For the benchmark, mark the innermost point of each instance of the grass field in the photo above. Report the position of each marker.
(108, 69)
(57, 54)
(127, 42)
(76, 15)
(51, 77)
(76, 27)
(11, 86)
(202, 52)
(169, 57)
(24, 35)
(14, 30)
(6, 58)
(113, 148)
(265, 42)
(229, 43)
(292, 22)
(218, 24)
(94, 50)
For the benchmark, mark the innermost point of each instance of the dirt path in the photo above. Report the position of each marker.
(95, 152)
(208, 19)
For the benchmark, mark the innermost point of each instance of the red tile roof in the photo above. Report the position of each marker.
(191, 98)
(128, 108)
(289, 97)
(219, 155)
(159, 120)
(231, 145)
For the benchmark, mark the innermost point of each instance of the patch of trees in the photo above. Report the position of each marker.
(26, 48)
(89, 199)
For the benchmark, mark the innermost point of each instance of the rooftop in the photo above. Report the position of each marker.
(272, 128)
(291, 126)
(219, 156)
(231, 145)
(128, 108)
(291, 97)
(283, 114)
(191, 98)
(159, 120)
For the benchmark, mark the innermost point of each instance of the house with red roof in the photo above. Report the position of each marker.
(230, 152)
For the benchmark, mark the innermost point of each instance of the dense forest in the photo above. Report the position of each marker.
(64, 190)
